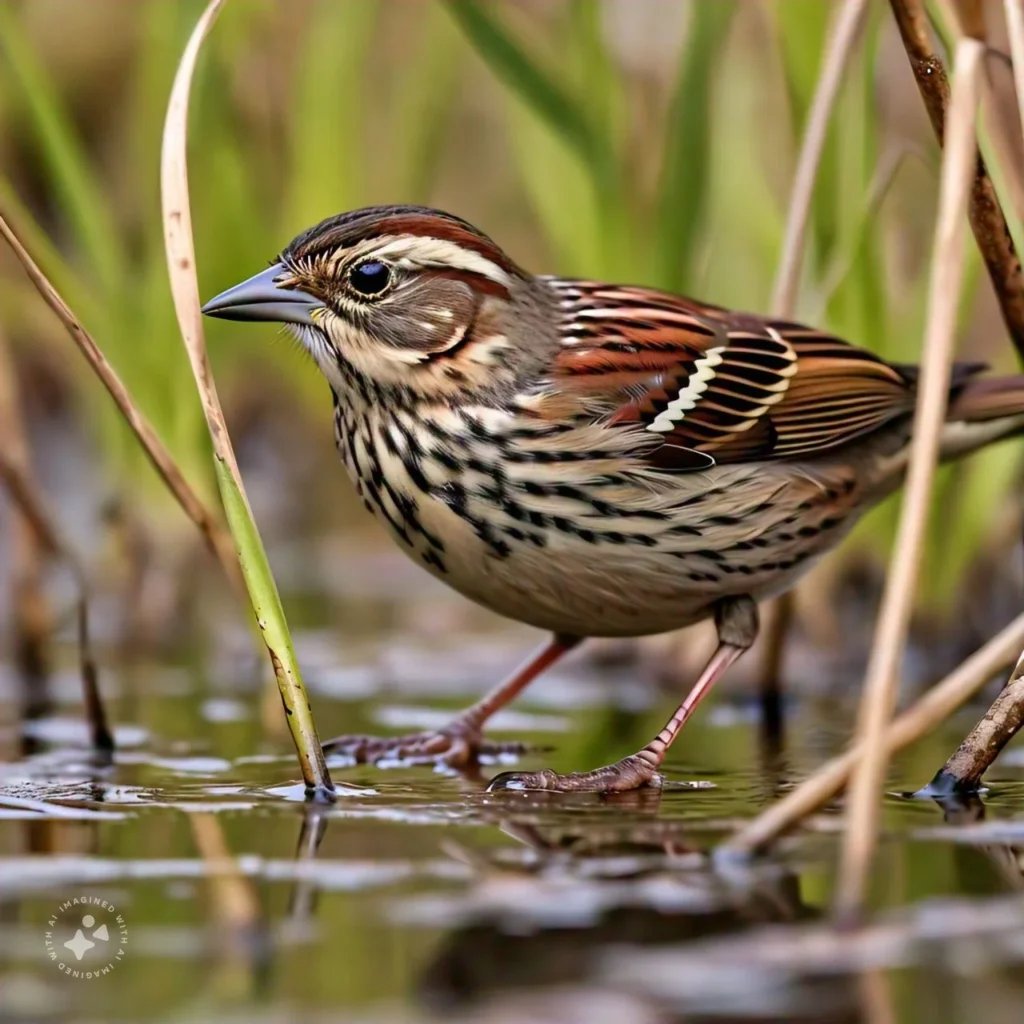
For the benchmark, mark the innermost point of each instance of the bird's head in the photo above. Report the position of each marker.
(400, 297)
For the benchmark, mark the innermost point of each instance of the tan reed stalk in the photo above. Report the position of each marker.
(893, 622)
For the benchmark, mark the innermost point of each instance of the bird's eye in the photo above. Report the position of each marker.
(370, 278)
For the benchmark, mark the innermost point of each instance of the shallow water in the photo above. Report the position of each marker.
(417, 896)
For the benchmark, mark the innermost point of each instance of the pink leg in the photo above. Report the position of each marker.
(737, 630)
(460, 742)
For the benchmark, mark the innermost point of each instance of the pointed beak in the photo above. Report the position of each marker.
(260, 298)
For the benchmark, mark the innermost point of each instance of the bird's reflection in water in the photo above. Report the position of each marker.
(535, 937)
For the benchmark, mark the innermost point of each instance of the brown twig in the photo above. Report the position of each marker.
(963, 771)
(930, 711)
(893, 621)
(213, 532)
(29, 503)
(987, 220)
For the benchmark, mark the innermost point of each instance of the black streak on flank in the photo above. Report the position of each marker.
(432, 558)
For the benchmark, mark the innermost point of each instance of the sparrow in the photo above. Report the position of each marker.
(592, 459)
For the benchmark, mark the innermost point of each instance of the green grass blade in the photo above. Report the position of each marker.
(270, 617)
(682, 201)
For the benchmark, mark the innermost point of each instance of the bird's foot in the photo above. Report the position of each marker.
(633, 772)
(457, 745)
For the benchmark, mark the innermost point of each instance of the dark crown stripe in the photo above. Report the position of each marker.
(349, 229)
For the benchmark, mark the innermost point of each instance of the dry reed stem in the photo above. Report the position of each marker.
(987, 220)
(29, 503)
(779, 612)
(213, 532)
(893, 622)
(917, 721)
(180, 248)
(837, 57)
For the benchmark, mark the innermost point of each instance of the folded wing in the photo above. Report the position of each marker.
(718, 386)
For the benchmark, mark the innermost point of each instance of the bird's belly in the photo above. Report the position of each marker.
(568, 585)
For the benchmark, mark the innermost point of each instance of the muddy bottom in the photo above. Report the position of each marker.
(417, 896)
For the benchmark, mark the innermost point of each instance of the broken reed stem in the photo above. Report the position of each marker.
(962, 773)
(917, 721)
(28, 502)
(879, 699)
(837, 57)
(987, 220)
(840, 46)
(161, 459)
(262, 590)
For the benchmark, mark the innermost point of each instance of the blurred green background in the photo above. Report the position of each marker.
(646, 141)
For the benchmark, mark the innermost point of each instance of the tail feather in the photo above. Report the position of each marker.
(987, 398)
(982, 410)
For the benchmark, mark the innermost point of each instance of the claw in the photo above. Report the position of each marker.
(633, 772)
(454, 747)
